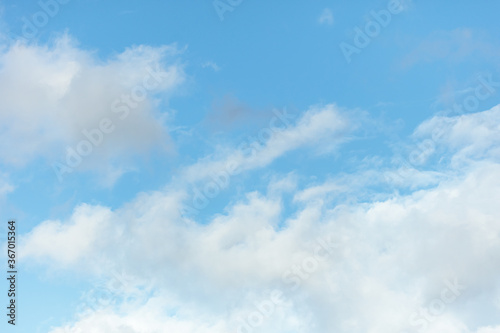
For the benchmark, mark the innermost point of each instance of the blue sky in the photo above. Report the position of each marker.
(160, 154)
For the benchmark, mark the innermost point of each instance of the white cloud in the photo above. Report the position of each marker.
(390, 258)
(326, 17)
(144, 318)
(325, 127)
(50, 94)
(212, 65)
(67, 243)
(394, 254)
(489, 329)
(466, 137)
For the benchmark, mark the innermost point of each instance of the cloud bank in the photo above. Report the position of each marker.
(425, 260)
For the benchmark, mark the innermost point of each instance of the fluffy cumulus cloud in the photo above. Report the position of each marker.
(425, 260)
(66, 105)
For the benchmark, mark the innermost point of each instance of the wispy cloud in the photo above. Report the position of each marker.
(326, 17)
(451, 46)
(212, 65)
